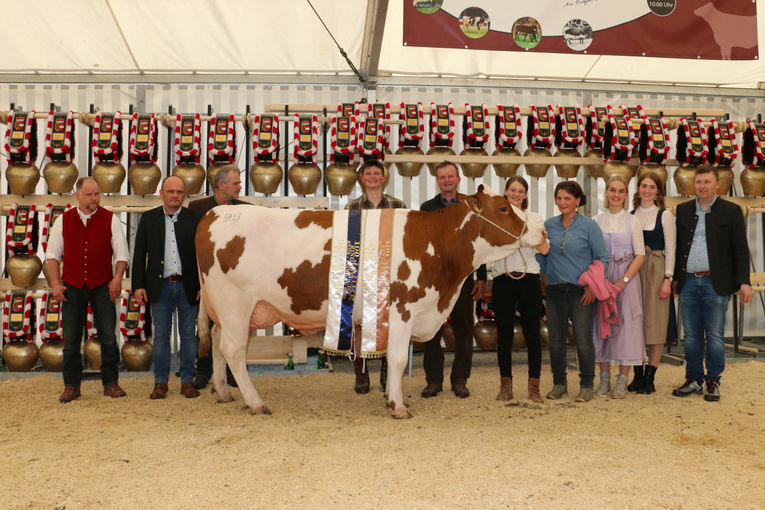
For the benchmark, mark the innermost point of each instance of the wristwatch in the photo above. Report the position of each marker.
(626, 280)
(668, 277)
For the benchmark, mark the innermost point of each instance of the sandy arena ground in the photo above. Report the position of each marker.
(326, 447)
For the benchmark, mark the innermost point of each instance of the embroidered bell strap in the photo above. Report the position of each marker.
(107, 137)
(722, 143)
(691, 149)
(50, 318)
(59, 136)
(413, 128)
(475, 126)
(540, 130)
(595, 127)
(17, 315)
(21, 137)
(343, 280)
(377, 235)
(306, 138)
(20, 230)
(442, 127)
(342, 136)
(370, 139)
(569, 128)
(265, 138)
(753, 153)
(132, 318)
(636, 113)
(619, 137)
(654, 141)
(508, 127)
(142, 145)
(221, 144)
(349, 110)
(90, 323)
(52, 212)
(381, 111)
(188, 136)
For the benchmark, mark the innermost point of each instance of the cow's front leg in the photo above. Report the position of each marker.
(398, 350)
(219, 368)
(233, 345)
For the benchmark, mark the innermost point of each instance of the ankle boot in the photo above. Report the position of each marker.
(505, 389)
(362, 376)
(648, 387)
(605, 384)
(534, 394)
(637, 381)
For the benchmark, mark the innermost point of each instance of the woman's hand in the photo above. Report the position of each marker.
(588, 297)
(620, 285)
(666, 289)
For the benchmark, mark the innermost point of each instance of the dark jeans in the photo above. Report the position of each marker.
(562, 303)
(526, 294)
(173, 296)
(462, 325)
(74, 317)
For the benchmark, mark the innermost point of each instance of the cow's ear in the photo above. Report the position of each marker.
(480, 188)
(473, 203)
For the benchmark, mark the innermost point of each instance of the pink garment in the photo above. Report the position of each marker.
(605, 292)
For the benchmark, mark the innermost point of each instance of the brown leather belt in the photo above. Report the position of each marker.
(516, 274)
(174, 278)
(703, 273)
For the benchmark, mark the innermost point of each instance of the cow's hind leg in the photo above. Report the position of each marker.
(233, 345)
(219, 368)
(398, 351)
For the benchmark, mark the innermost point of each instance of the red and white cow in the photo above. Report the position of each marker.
(272, 265)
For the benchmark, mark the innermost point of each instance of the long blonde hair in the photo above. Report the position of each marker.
(616, 178)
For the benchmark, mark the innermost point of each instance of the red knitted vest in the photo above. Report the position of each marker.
(87, 250)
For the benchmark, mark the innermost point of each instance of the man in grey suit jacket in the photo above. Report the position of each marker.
(165, 274)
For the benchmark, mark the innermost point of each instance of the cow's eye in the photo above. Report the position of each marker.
(503, 208)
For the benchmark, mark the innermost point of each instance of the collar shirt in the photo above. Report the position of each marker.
(617, 223)
(387, 202)
(698, 257)
(646, 217)
(572, 250)
(523, 260)
(445, 202)
(172, 265)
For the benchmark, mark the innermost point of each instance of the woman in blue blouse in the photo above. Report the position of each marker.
(576, 242)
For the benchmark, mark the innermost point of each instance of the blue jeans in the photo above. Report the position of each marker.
(703, 315)
(174, 296)
(562, 303)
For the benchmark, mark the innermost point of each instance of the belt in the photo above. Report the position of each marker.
(174, 278)
(517, 274)
(702, 273)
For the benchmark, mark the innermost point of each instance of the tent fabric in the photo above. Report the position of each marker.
(286, 37)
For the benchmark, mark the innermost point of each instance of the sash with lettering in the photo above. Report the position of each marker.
(359, 275)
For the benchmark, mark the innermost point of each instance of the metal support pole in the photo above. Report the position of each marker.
(247, 152)
(286, 150)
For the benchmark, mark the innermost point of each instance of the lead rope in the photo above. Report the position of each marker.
(477, 212)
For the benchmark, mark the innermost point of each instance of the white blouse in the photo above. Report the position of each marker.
(524, 259)
(617, 223)
(646, 217)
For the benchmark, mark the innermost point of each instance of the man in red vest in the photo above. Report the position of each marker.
(86, 240)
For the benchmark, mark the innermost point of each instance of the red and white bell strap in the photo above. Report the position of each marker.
(381, 111)
(442, 128)
(349, 110)
(508, 131)
(476, 126)
(654, 141)
(187, 143)
(413, 129)
(722, 144)
(221, 144)
(90, 323)
(370, 139)
(142, 145)
(265, 138)
(18, 233)
(569, 128)
(342, 136)
(52, 213)
(619, 137)
(106, 145)
(305, 131)
(132, 318)
(50, 318)
(540, 130)
(595, 127)
(17, 315)
(753, 152)
(691, 146)
(19, 142)
(59, 136)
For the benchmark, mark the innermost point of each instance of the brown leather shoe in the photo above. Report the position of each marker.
(534, 394)
(71, 392)
(188, 390)
(160, 391)
(113, 390)
(505, 389)
(431, 390)
(461, 390)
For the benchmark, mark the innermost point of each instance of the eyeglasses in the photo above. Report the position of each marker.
(563, 241)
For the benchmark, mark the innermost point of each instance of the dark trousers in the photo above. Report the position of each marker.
(525, 294)
(462, 325)
(74, 317)
(563, 302)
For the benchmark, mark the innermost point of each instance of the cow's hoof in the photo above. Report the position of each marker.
(260, 410)
(224, 400)
(401, 414)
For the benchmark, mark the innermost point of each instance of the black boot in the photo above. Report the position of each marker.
(362, 376)
(647, 387)
(637, 381)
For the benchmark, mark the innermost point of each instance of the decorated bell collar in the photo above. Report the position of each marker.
(90, 324)
(349, 110)
(413, 128)
(21, 232)
(59, 136)
(142, 145)
(619, 137)
(569, 128)
(306, 137)
(21, 137)
(381, 111)
(132, 318)
(52, 213)
(107, 137)
(370, 139)
(654, 141)
(595, 127)
(475, 125)
(540, 130)
(187, 145)
(342, 137)
(50, 318)
(508, 127)
(753, 153)
(723, 149)
(18, 312)
(265, 138)
(691, 146)
(442, 127)
(221, 144)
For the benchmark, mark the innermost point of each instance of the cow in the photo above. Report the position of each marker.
(729, 30)
(259, 266)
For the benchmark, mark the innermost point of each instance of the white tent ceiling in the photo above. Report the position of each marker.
(143, 39)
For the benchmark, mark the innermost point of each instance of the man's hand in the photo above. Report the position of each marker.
(745, 293)
(115, 288)
(479, 289)
(140, 296)
(58, 292)
(588, 297)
